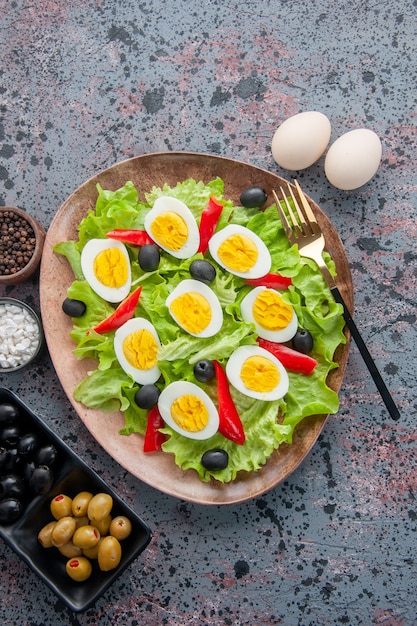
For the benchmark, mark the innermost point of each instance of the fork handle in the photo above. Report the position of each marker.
(385, 394)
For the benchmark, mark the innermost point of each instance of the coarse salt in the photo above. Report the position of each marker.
(19, 336)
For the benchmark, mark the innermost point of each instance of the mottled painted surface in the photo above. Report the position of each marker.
(88, 83)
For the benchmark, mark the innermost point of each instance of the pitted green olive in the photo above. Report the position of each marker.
(86, 537)
(120, 527)
(102, 525)
(79, 568)
(63, 531)
(109, 553)
(45, 535)
(80, 503)
(92, 553)
(61, 506)
(69, 550)
(100, 506)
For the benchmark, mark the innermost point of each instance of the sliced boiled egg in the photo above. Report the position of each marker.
(136, 344)
(106, 267)
(240, 251)
(196, 308)
(173, 227)
(274, 318)
(257, 373)
(188, 410)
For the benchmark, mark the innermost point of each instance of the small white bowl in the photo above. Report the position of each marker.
(21, 335)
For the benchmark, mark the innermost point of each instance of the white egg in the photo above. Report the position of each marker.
(106, 267)
(301, 140)
(274, 318)
(240, 251)
(173, 227)
(353, 159)
(196, 308)
(136, 344)
(188, 410)
(257, 373)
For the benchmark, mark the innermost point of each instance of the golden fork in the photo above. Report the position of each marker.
(301, 228)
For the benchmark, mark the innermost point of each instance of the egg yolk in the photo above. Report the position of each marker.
(111, 267)
(170, 230)
(190, 413)
(192, 311)
(141, 349)
(270, 311)
(238, 252)
(259, 374)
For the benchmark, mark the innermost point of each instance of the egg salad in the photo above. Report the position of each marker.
(188, 319)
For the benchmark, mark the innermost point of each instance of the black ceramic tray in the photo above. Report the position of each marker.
(71, 476)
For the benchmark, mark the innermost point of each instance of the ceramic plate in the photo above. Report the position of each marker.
(159, 469)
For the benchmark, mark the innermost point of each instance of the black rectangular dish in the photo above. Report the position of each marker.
(70, 476)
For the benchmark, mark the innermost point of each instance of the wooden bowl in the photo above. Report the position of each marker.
(29, 269)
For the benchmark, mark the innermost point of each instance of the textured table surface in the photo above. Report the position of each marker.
(85, 84)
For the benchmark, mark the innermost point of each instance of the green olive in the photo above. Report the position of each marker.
(109, 553)
(92, 553)
(45, 535)
(80, 503)
(63, 531)
(120, 527)
(103, 525)
(86, 537)
(82, 521)
(61, 506)
(79, 568)
(100, 506)
(69, 550)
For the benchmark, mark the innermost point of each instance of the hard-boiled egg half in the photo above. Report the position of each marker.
(136, 344)
(256, 373)
(240, 251)
(274, 318)
(106, 267)
(173, 227)
(188, 410)
(195, 308)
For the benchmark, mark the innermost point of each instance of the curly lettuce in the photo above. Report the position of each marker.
(267, 424)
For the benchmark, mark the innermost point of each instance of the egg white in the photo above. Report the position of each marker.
(179, 388)
(263, 262)
(191, 285)
(165, 204)
(280, 336)
(234, 367)
(143, 377)
(91, 249)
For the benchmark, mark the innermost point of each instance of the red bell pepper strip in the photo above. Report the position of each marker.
(272, 281)
(230, 425)
(153, 438)
(208, 222)
(122, 313)
(291, 359)
(135, 237)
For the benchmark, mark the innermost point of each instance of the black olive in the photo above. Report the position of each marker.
(302, 341)
(46, 455)
(27, 444)
(215, 459)
(27, 470)
(147, 396)
(149, 257)
(204, 371)
(73, 308)
(203, 271)
(10, 434)
(41, 480)
(10, 510)
(253, 197)
(12, 486)
(8, 413)
(13, 460)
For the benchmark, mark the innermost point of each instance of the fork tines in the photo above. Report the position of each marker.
(302, 221)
